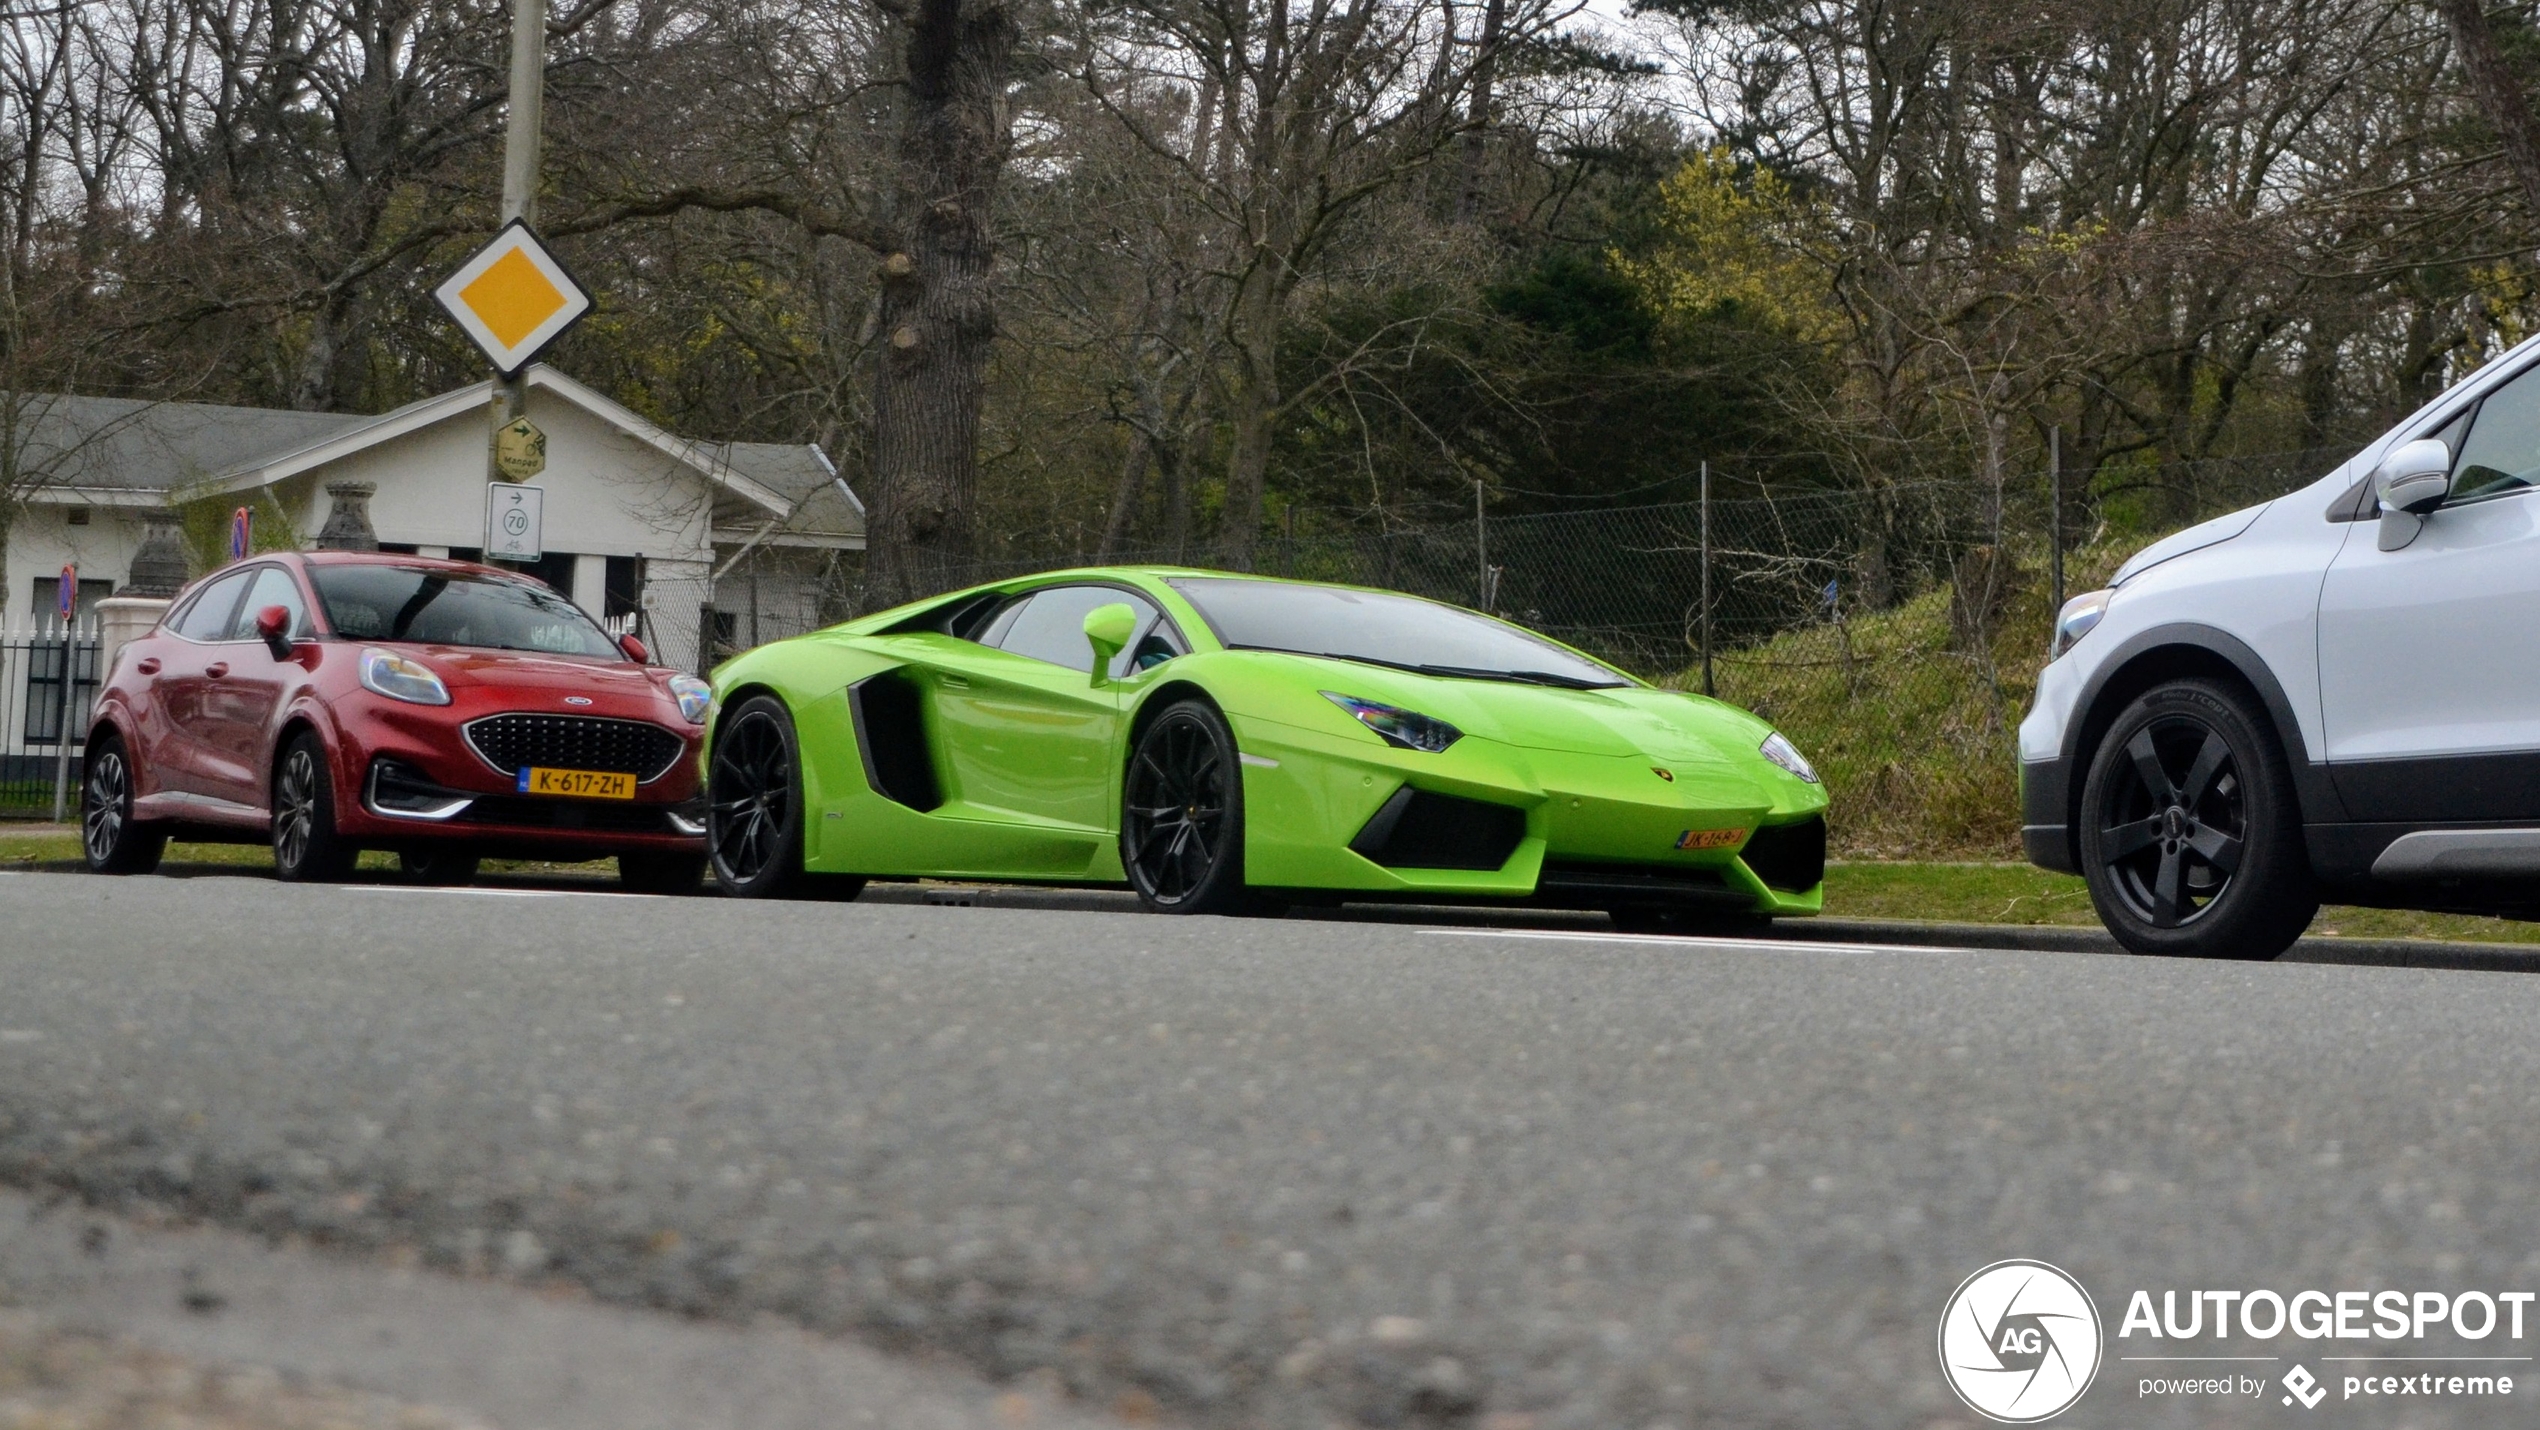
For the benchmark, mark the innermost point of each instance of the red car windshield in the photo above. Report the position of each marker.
(435, 607)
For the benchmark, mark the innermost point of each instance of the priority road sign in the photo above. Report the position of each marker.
(513, 298)
(514, 518)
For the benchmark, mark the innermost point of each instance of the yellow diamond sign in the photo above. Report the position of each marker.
(513, 298)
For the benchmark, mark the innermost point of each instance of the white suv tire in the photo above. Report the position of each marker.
(2191, 831)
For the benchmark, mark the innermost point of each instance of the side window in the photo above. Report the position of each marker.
(1157, 643)
(1050, 625)
(208, 618)
(2502, 451)
(274, 587)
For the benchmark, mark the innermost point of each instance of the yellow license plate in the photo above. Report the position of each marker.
(576, 784)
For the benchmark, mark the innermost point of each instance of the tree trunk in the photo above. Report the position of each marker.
(2499, 94)
(1254, 419)
(938, 308)
(1468, 204)
(1125, 498)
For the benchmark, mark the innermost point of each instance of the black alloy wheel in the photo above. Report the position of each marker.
(1181, 815)
(754, 809)
(113, 841)
(2192, 841)
(306, 848)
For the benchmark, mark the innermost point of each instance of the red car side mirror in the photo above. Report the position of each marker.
(273, 627)
(634, 650)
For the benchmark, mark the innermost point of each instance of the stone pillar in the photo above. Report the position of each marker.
(158, 568)
(158, 573)
(348, 518)
(121, 619)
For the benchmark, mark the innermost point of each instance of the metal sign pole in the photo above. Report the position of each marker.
(1707, 687)
(1481, 549)
(66, 600)
(520, 186)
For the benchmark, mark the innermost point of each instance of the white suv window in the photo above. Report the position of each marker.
(2503, 450)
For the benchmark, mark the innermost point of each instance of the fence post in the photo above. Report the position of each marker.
(1707, 687)
(62, 727)
(2055, 514)
(1481, 551)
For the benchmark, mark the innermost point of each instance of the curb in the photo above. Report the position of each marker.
(2020, 938)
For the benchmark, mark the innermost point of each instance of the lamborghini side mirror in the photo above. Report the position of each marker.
(1107, 630)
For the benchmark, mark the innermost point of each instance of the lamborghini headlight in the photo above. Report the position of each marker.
(694, 696)
(390, 674)
(1778, 749)
(1397, 726)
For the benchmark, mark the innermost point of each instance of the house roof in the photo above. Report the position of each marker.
(109, 448)
(121, 451)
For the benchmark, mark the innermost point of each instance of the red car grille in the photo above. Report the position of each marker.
(574, 742)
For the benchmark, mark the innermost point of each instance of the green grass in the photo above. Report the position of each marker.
(1989, 893)
(1916, 738)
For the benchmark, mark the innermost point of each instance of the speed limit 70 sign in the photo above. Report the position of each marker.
(512, 519)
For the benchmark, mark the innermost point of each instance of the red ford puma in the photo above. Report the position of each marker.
(340, 701)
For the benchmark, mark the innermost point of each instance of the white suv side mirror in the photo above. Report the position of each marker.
(2411, 482)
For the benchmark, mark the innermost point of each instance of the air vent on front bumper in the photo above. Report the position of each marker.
(574, 742)
(1420, 829)
(1598, 886)
(1788, 857)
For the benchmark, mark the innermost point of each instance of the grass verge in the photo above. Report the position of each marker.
(2024, 894)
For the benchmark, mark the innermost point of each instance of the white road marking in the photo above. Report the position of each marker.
(1682, 940)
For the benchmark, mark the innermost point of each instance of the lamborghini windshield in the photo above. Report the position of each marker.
(439, 606)
(1399, 631)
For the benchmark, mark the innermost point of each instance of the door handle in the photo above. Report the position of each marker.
(149, 665)
(217, 669)
(955, 682)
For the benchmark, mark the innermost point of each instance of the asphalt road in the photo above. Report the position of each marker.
(1283, 1173)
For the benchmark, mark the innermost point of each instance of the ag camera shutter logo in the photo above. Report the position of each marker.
(2020, 1342)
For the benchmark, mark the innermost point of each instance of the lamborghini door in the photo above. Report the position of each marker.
(1025, 732)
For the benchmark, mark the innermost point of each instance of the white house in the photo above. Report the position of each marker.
(704, 547)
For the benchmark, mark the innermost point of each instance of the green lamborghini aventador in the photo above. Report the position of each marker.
(1226, 743)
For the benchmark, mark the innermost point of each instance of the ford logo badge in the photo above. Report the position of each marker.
(577, 700)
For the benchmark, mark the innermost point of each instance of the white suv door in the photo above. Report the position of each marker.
(2430, 654)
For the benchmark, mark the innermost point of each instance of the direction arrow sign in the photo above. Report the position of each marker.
(513, 298)
(520, 450)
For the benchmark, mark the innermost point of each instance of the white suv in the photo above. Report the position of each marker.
(2334, 695)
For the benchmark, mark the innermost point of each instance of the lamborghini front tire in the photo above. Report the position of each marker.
(1182, 814)
(754, 808)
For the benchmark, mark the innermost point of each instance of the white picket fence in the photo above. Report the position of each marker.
(32, 663)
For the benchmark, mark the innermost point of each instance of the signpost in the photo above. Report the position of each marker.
(514, 299)
(66, 601)
(514, 521)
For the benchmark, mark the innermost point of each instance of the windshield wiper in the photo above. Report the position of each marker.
(1454, 672)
